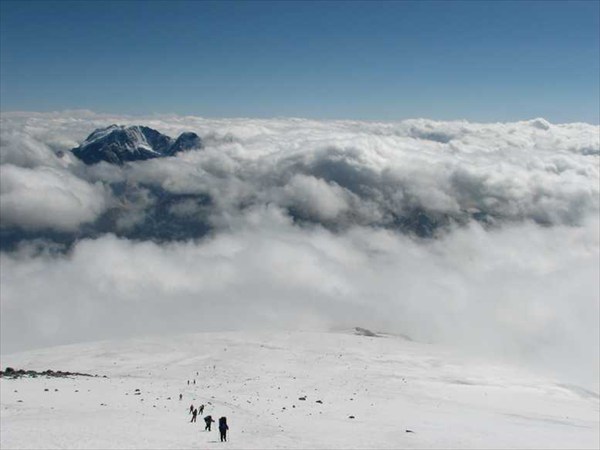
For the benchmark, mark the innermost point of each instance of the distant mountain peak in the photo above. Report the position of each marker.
(118, 144)
(186, 141)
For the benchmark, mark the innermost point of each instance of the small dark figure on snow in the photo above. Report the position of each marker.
(188, 382)
(191, 408)
(194, 414)
(194, 381)
(208, 420)
(201, 409)
(223, 428)
(180, 396)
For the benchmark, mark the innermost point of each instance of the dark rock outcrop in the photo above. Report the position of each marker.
(364, 332)
(186, 141)
(12, 373)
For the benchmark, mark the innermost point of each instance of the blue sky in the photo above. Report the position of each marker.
(481, 61)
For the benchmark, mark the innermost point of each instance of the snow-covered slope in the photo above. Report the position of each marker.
(390, 385)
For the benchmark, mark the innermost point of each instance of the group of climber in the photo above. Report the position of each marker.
(208, 420)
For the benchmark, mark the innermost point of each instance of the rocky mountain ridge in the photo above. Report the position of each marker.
(118, 144)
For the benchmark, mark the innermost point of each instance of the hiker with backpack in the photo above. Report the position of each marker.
(223, 427)
(208, 420)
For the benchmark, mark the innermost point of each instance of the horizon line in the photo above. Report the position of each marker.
(283, 117)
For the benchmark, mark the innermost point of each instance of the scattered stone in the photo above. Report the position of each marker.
(302, 398)
(409, 431)
(350, 417)
(319, 401)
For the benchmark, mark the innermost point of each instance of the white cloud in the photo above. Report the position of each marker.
(514, 171)
(325, 201)
(525, 287)
(522, 292)
(45, 197)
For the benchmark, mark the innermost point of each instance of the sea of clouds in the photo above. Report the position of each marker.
(482, 236)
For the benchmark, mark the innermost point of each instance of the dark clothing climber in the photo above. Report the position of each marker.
(194, 414)
(223, 428)
(208, 420)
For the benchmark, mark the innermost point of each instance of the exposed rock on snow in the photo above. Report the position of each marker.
(12, 373)
(364, 332)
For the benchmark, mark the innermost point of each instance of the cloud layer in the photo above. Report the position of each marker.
(480, 235)
(46, 197)
(415, 175)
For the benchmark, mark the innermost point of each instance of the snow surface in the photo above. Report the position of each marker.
(101, 133)
(134, 133)
(388, 383)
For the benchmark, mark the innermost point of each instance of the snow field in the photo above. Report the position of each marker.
(389, 384)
